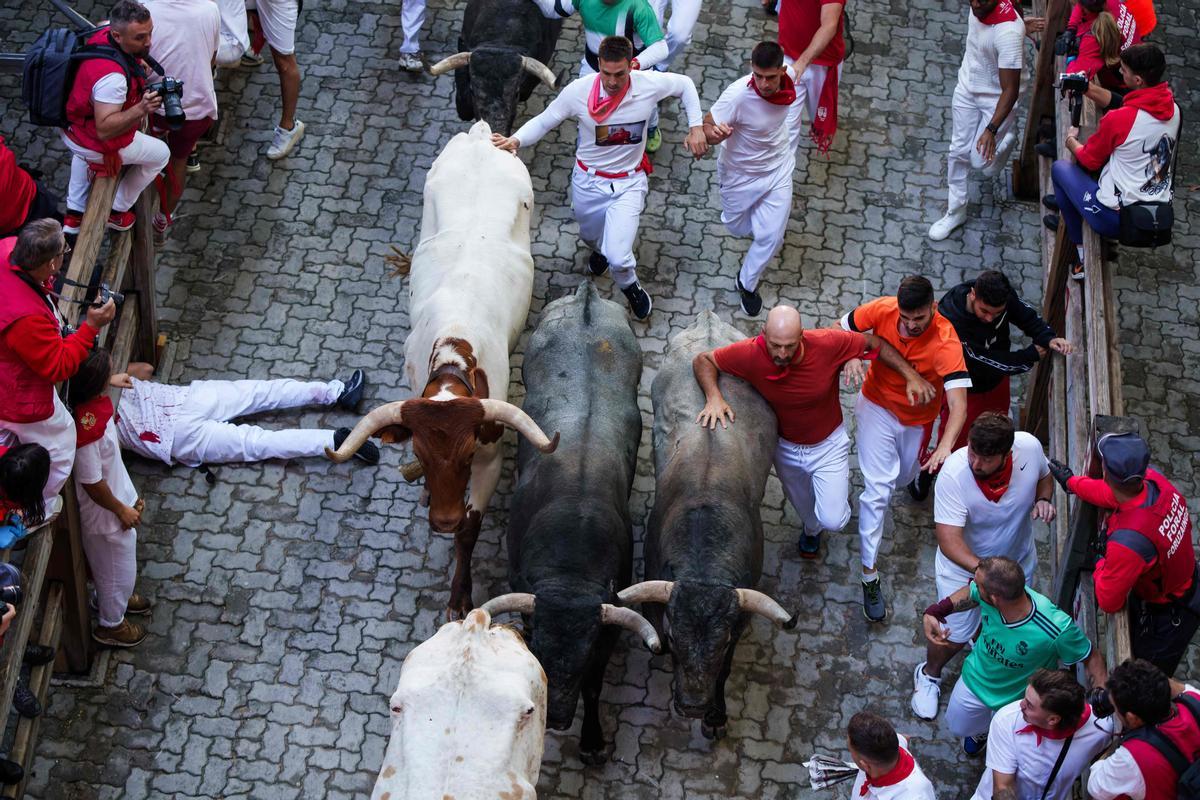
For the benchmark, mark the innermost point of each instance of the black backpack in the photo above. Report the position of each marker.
(49, 71)
(1186, 768)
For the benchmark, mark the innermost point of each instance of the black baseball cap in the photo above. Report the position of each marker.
(1125, 455)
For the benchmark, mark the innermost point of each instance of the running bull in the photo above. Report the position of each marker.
(570, 538)
(470, 284)
(504, 49)
(704, 542)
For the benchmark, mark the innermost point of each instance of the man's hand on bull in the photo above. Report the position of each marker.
(714, 411)
(696, 142)
(509, 143)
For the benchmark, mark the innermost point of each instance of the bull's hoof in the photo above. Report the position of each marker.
(594, 758)
(713, 732)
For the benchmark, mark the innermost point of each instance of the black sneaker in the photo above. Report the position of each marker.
(369, 452)
(919, 488)
(975, 745)
(25, 702)
(1046, 150)
(1051, 222)
(38, 654)
(352, 394)
(751, 301)
(597, 263)
(1050, 202)
(10, 772)
(874, 606)
(193, 162)
(639, 301)
(810, 545)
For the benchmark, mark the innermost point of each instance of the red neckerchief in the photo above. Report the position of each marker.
(1003, 12)
(91, 418)
(904, 767)
(603, 109)
(784, 96)
(994, 486)
(1044, 733)
(761, 341)
(824, 124)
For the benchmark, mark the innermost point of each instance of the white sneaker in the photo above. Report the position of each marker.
(411, 62)
(1003, 153)
(946, 225)
(285, 140)
(927, 692)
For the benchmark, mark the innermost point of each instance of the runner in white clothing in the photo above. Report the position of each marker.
(886, 770)
(756, 162)
(608, 185)
(983, 128)
(986, 498)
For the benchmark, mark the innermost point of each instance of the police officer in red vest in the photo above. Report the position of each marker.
(1161, 735)
(106, 106)
(1148, 557)
(34, 353)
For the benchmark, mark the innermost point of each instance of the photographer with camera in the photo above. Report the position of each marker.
(187, 34)
(36, 352)
(1134, 150)
(108, 102)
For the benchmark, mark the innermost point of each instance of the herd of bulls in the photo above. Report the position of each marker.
(472, 702)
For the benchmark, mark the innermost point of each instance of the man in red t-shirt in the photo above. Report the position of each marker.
(796, 372)
(811, 34)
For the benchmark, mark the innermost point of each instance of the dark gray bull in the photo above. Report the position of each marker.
(704, 543)
(505, 47)
(570, 539)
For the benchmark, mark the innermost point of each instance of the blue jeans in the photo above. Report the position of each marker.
(1071, 186)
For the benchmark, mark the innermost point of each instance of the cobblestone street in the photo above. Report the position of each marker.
(288, 594)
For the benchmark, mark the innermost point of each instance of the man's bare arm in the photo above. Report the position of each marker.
(705, 368)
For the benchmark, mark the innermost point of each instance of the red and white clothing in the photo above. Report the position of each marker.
(1138, 772)
(277, 19)
(235, 32)
(1134, 148)
(18, 189)
(906, 781)
(111, 549)
(754, 169)
(191, 424)
(812, 457)
(1015, 747)
(608, 184)
(1089, 60)
(187, 34)
(991, 46)
(1000, 527)
(817, 86)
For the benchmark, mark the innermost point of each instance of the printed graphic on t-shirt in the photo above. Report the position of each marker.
(623, 133)
(1158, 170)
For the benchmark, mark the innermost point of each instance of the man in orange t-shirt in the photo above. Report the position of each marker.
(796, 372)
(889, 428)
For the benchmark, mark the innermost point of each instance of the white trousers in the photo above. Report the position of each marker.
(113, 560)
(204, 434)
(412, 18)
(966, 714)
(144, 158)
(808, 97)
(757, 206)
(678, 25)
(816, 480)
(608, 213)
(278, 20)
(888, 454)
(235, 34)
(970, 115)
(56, 433)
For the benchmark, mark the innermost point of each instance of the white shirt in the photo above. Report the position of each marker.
(186, 36)
(990, 48)
(101, 461)
(147, 413)
(1003, 528)
(617, 144)
(112, 89)
(759, 142)
(915, 787)
(1020, 754)
(1119, 775)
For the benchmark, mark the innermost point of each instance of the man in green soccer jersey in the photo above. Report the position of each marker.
(633, 19)
(1022, 632)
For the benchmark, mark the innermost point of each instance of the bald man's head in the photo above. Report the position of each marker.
(784, 334)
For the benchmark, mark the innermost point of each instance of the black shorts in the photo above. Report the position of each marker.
(45, 204)
(1161, 633)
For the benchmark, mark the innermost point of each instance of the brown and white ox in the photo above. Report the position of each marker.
(468, 717)
(470, 285)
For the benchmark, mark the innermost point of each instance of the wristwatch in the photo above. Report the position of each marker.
(994, 128)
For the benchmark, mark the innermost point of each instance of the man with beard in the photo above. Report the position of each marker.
(985, 501)
(796, 372)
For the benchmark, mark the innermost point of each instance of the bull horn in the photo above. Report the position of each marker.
(538, 70)
(628, 618)
(517, 601)
(386, 414)
(646, 592)
(518, 420)
(456, 61)
(758, 603)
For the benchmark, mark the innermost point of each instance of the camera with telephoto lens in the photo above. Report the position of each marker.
(1073, 85)
(10, 585)
(171, 92)
(104, 294)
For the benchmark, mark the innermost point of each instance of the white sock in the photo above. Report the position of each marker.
(1079, 249)
(870, 577)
